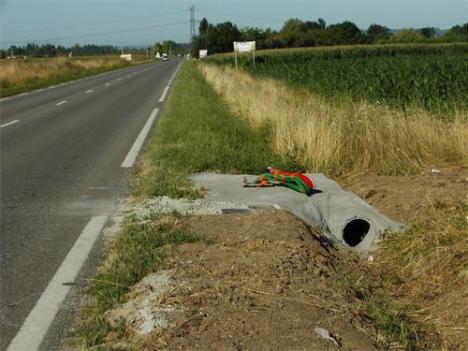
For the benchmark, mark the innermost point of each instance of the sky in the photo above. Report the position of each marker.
(144, 22)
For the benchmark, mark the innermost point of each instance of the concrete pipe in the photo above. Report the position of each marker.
(340, 215)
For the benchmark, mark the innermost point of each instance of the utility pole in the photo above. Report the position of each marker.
(192, 23)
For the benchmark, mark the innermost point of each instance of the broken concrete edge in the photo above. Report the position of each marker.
(341, 216)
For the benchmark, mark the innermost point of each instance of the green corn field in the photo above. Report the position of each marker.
(431, 77)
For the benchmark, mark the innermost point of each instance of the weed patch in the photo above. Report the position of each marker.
(136, 251)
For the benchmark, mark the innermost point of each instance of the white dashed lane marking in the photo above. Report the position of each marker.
(9, 123)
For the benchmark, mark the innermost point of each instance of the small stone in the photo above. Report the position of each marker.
(325, 334)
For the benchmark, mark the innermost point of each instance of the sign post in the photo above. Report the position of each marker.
(202, 54)
(244, 46)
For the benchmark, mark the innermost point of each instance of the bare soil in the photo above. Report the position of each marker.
(260, 284)
(406, 198)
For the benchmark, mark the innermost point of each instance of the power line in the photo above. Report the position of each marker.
(94, 34)
(81, 25)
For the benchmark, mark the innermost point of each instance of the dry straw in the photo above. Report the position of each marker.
(342, 140)
(15, 72)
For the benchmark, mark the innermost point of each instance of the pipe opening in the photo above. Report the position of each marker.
(355, 231)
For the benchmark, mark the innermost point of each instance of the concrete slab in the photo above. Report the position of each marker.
(341, 216)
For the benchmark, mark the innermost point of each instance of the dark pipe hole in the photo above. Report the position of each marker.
(355, 231)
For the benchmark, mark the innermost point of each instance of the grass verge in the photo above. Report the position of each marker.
(18, 76)
(342, 141)
(197, 133)
(135, 252)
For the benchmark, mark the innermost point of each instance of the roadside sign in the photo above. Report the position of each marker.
(244, 46)
(203, 54)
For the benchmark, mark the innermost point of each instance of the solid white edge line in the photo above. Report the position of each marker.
(9, 123)
(174, 75)
(36, 325)
(164, 94)
(89, 91)
(133, 153)
(61, 103)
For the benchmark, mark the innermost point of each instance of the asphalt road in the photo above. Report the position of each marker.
(61, 154)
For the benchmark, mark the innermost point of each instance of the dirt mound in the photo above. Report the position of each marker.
(259, 283)
(406, 198)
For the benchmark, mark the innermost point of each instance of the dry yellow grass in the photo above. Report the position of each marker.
(341, 140)
(428, 263)
(17, 72)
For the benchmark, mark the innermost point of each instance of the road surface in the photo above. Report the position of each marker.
(65, 161)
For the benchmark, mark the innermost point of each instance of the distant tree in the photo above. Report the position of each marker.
(293, 31)
(259, 35)
(462, 30)
(458, 33)
(309, 25)
(407, 36)
(203, 29)
(346, 33)
(322, 23)
(273, 41)
(428, 32)
(319, 37)
(376, 33)
(219, 38)
(76, 50)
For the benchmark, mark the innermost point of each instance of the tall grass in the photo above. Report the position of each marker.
(197, 133)
(426, 266)
(22, 75)
(338, 139)
(431, 77)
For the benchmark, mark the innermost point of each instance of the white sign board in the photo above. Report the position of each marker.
(244, 46)
(202, 54)
(127, 57)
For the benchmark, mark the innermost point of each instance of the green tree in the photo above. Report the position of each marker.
(203, 29)
(346, 33)
(407, 36)
(293, 31)
(428, 32)
(376, 33)
(458, 33)
(220, 38)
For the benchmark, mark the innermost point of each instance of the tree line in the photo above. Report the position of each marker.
(50, 50)
(217, 38)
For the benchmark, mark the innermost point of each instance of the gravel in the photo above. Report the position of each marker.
(166, 204)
